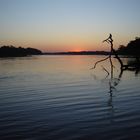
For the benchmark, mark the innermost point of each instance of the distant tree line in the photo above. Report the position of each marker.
(78, 53)
(12, 51)
(132, 48)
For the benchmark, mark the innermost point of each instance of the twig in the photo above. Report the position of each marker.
(100, 61)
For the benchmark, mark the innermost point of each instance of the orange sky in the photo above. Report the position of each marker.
(60, 25)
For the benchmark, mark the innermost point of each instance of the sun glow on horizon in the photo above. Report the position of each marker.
(77, 50)
(75, 25)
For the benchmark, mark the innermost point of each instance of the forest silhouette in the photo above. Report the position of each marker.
(11, 51)
(132, 49)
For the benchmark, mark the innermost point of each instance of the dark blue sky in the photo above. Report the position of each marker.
(68, 24)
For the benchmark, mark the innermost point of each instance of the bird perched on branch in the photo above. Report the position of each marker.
(109, 39)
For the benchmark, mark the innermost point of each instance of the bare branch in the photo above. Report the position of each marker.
(100, 61)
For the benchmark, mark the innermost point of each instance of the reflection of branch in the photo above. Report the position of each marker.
(131, 67)
(111, 67)
(113, 82)
(110, 89)
(106, 71)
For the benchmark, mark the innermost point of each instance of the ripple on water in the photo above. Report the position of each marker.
(67, 104)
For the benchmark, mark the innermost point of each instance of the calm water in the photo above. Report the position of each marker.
(60, 98)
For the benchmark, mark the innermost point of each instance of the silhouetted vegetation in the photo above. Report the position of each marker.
(11, 51)
(133, 64)
(132, 48)
(79, 53)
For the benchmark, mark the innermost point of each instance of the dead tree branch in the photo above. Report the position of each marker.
(100, 61)
(133, 67)
(112, 51)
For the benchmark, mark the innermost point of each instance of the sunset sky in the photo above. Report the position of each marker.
(68, 25)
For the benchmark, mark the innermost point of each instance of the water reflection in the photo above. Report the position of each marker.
(54, 97)
(113, 79)
(113, 83)
(135, 63)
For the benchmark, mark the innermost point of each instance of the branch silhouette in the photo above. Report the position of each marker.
(100, 61)
(135, 66)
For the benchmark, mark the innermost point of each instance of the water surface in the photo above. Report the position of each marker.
(60, 98)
